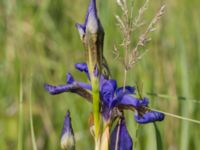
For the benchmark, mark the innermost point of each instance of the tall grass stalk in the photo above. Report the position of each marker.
(21, 118)
(185, 109)
(178, 117)
(158, 138)
(167, 97)
(31, 116)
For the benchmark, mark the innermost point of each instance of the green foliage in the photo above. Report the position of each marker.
(40, 37)
(158, 138)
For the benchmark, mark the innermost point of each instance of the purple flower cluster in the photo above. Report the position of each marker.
(111, 97)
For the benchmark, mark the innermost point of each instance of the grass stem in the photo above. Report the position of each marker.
(21, 121)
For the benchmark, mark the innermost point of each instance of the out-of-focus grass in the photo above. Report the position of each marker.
(40, 36)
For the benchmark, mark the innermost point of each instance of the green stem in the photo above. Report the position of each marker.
(95, 94)
(92, 62)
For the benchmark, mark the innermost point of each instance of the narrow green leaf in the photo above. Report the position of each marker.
(21, 116)
(158, 138)
(31, 116)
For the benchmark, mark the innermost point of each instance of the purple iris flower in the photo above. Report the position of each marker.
(67, 136)
(120, 137)
(111, 96)
(91, 23)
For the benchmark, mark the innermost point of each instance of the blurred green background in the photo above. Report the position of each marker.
(39, 42)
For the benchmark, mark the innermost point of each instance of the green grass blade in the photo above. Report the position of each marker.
(158, 138)
(184, 139)
(21, 121)
(31, 117)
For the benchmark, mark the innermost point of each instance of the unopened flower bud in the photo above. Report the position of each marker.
(67, 137)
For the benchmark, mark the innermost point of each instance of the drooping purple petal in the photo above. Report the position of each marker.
(107, 91)
(120, 132)
(84, 85)
(57, 89)
(66, 87)
(69, 78)
(149, 117)
(83, 68)
(127, 100)
(67, 135)
(144, 102)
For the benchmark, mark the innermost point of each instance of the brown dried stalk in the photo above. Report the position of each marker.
(127, 25)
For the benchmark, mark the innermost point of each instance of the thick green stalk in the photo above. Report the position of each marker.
(95, 94)
(94, 62)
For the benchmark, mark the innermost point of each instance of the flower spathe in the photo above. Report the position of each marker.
(91, 23)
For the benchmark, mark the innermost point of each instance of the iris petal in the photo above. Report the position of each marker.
(107, 91)
(120, 132)
(84, 85)
(128, 90)
(144, 102)
(149, 117)
(57, 89)
(83, 68)
(128, 100)
(69, 78)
